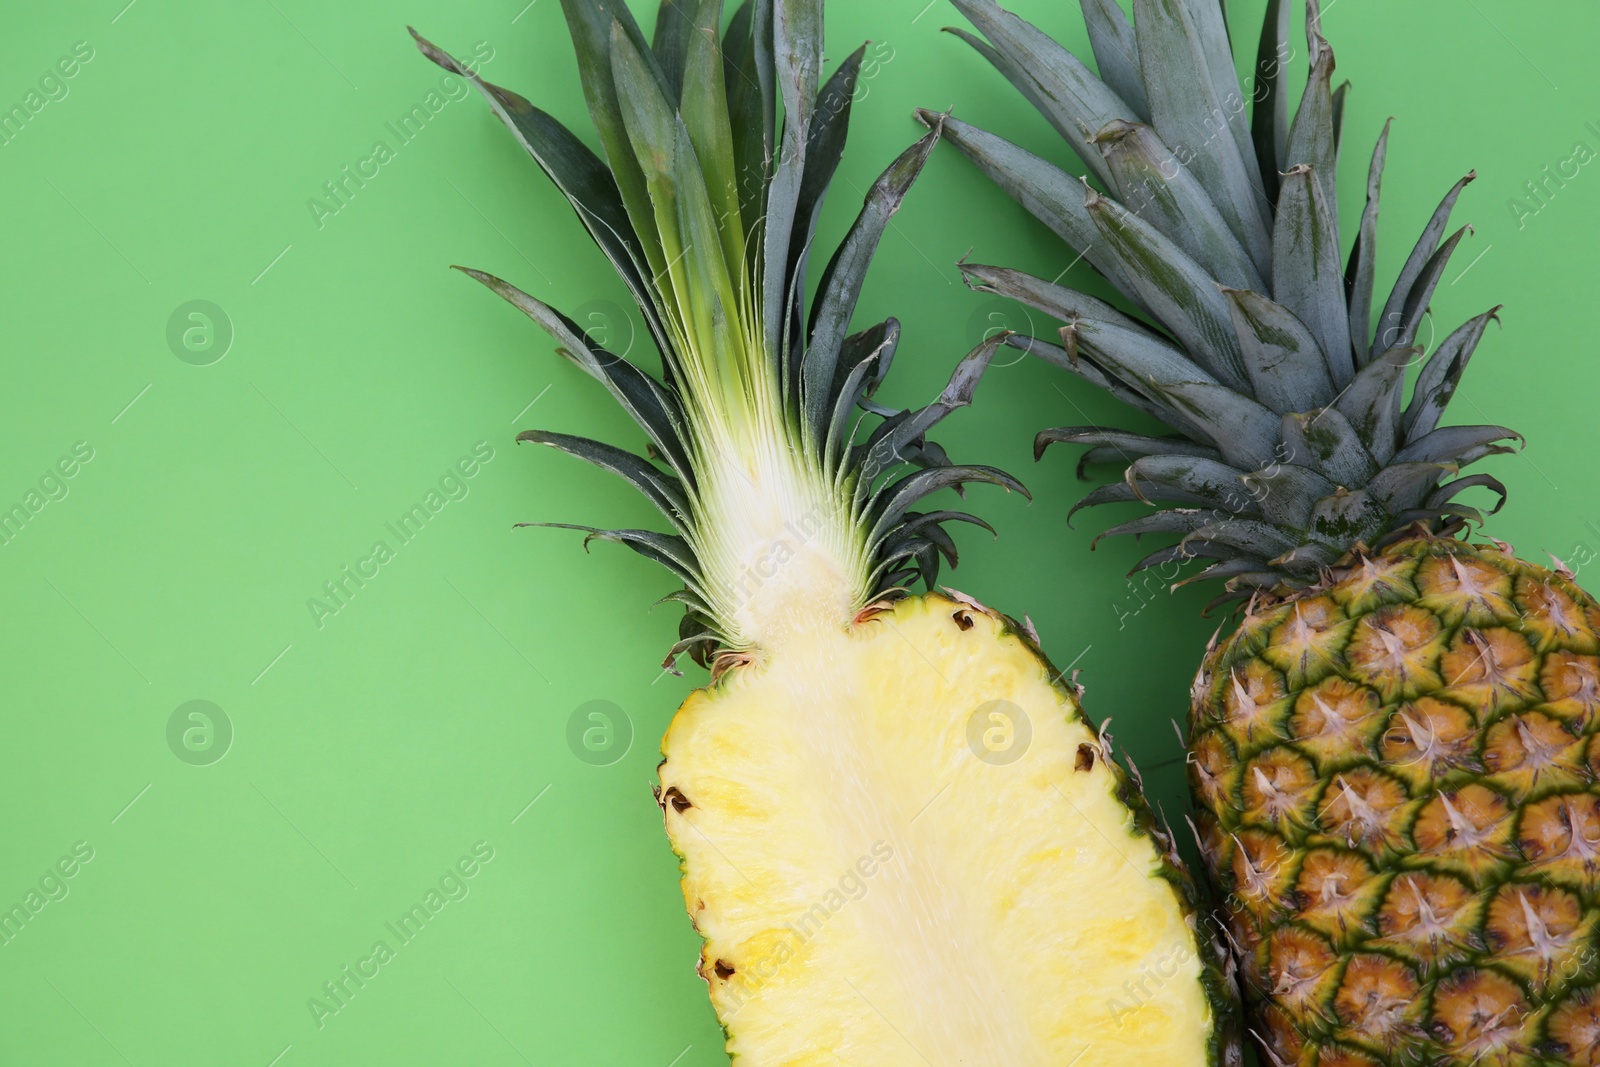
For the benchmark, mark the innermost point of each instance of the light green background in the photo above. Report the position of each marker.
(371, 752)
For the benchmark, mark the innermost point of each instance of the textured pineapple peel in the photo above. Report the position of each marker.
(1397, 781)
(903, 844)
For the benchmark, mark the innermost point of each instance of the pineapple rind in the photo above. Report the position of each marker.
(1455, 831)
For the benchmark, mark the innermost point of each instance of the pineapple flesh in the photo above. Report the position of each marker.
(1393, 751)
(900, 839)
(872, 891)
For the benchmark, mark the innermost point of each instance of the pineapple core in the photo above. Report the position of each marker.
(788, 559)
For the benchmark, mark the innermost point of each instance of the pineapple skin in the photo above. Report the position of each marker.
(857, 902)
(1398, 774)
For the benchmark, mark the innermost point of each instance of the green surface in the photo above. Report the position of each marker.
(371, 749)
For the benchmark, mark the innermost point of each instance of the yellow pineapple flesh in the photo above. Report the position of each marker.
(876, 826)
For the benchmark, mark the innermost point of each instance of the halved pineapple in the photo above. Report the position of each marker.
(900, 838)
(904, 844)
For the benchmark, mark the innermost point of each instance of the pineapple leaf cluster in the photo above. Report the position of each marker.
(1292, 440)
(716, 152)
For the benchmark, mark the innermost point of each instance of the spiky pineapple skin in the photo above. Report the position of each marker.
(1398, 781)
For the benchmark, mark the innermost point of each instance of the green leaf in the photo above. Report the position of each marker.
(1099, 343)
(1269, 118)
(1324, 439)
(1286, 368)
(1113, 342)
(1339, 96)
(1129, 446)
(830, 125)
(655, 410)
(1211, 26)
(1313, 555)
(1074, 101)
(1177, 290)
(1195, 121)
(1217, 484)
(886, 449)
(825, 141)
(705, 115)
(1245, 432)
(840, 287)
(1311, 139)
(1286, 492)
(1450, 490)
(1360, 272)
(1389, 326)
(797, 52)
(698, 281)
(1440, 376)
(662, 490)
(1053, 196)
(670, 552)
(890, 503)
(1150, 493)
(1252, 537)
(1416, 305)
(1183, 553)
(589, 22)
(1083, 364)
(883, 339)
(748, 76)
(1160, 190)
(1019, 79)
(1116, 52)
(1306, 274)
(1432, 516)
(1403, 486)
(580, 175)
(1134, 357)
(1460, 445)
(1345, 517)
(1167, 520)
(1101, 455)
(1371, 402)
(863, 359)
(1057, 301)
(671, 41)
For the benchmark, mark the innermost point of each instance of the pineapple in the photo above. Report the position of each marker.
(1395, 751)
(900, 839)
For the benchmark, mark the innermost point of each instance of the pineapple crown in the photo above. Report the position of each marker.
(717, 155)
(1291, 443)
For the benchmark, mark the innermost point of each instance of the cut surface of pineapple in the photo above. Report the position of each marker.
(903, 844)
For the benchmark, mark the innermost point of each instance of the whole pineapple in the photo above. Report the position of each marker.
(1396, 751)
(901, 840)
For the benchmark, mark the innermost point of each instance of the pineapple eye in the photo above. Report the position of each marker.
(1086, 753)
(675, 797)
(723, 970)
(963, 620)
